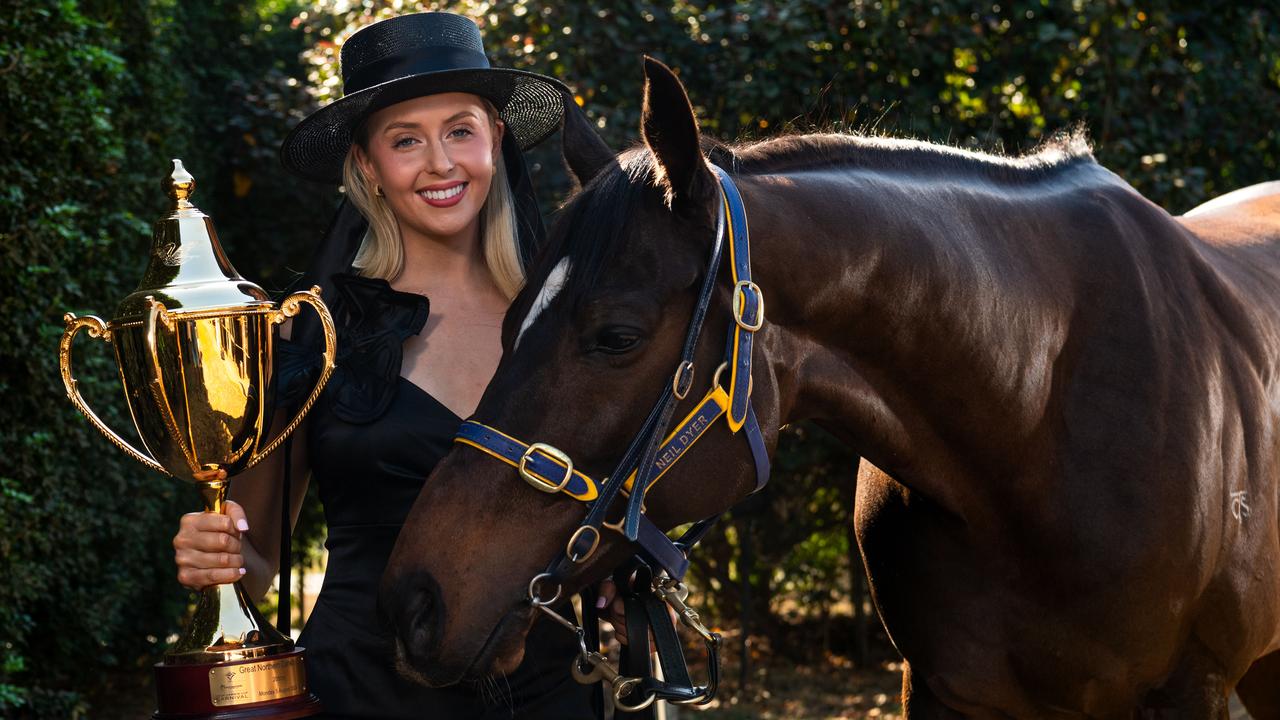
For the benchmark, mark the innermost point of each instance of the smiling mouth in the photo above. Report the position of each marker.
(447, 196)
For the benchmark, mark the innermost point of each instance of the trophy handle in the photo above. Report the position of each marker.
(290, 307)
(156, 311)
(97, 329)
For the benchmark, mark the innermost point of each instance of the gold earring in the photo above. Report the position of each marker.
(377, 190)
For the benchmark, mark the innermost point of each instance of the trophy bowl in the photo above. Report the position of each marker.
(194, 346)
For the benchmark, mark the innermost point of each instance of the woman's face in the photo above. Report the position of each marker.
(434, 157)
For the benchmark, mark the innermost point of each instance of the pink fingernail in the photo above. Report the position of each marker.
(242, 525)
(243, 571)
(601, 602)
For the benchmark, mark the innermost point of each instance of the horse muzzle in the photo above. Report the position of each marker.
(412, 607)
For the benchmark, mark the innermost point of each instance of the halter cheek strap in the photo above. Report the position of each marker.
(549, 470)
(651, 453)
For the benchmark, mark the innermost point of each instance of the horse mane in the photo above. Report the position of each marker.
(588, 226)
(813, 151)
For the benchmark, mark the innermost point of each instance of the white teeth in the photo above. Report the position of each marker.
(442, 194)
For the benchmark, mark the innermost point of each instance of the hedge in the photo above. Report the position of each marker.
(96, 96)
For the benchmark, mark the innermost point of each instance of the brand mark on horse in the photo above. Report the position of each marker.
(1240, 505)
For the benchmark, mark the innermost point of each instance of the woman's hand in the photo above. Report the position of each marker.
(207, 548)
(616, 612)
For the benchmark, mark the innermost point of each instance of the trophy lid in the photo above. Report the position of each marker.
(188, 269)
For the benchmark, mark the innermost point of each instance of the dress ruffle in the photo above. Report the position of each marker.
(372, 321)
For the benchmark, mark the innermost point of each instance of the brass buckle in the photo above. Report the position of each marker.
(595, 542)
(537, 482)
(683, 380)
(740, 304)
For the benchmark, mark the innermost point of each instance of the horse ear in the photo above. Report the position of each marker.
(670, 129)
(585, 152)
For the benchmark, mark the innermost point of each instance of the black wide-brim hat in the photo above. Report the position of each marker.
(409, 56)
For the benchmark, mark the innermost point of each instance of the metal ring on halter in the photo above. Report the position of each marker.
(568, 548)
(683, 380)
(718, 373)
(715, 382)
(533, 590)
(740, 304)
(623, 688)
(537, 482)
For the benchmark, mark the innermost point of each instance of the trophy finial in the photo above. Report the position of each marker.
(180, 185)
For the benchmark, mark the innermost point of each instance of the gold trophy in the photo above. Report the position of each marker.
(194, 347)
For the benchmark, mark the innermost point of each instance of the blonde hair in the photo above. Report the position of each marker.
(381, 253)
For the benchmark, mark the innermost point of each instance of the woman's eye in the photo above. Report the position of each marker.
(460, 132)
(403, 142)
(617, 340)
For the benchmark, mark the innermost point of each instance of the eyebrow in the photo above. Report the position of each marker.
(414, 126)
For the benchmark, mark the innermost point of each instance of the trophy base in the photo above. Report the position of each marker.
(272, 688)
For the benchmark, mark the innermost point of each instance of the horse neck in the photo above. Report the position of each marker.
(908, 315)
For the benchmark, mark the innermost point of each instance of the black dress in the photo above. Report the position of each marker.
(372, 440)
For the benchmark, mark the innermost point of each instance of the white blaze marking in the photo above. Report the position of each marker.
(551, 288)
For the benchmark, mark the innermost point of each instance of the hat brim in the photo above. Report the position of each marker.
(530, 105)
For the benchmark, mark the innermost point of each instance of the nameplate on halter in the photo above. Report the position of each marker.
(253, 682)
(686, 434)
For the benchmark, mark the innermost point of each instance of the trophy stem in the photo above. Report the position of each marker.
(214, 493)
(226, 624)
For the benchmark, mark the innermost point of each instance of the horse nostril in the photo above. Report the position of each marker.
(412, 605)
(420, 610)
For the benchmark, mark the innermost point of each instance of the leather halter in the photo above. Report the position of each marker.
(650, 455)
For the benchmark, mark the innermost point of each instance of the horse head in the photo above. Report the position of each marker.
(591, 340)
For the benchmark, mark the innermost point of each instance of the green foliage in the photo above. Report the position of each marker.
(95, 97)
(1180, 100)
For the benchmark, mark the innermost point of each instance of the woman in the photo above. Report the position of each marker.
(427, 141)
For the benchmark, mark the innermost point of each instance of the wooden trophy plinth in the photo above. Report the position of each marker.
(272, 688)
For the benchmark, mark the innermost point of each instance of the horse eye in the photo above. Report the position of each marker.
(617, 340)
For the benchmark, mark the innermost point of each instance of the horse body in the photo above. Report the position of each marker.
(1067, 398)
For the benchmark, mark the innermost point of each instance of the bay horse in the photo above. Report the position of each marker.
(1066, 400)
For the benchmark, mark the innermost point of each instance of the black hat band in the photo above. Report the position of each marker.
(427, 60)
